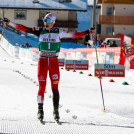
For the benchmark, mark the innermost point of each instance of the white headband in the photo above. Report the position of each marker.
(51, 16)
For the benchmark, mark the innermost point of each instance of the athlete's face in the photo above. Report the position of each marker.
(48, 24)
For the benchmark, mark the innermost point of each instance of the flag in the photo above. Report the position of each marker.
(127, 52)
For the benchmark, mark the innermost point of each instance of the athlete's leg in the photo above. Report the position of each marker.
(42, 75)
(54, 77)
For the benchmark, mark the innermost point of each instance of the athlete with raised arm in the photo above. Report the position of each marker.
(49, 48)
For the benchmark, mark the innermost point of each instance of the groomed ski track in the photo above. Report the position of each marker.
(81, 109)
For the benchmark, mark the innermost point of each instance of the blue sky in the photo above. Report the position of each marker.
(84, 20)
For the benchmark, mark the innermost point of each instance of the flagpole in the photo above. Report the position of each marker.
(95, 41)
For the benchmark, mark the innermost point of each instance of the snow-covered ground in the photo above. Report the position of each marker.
(81, 108)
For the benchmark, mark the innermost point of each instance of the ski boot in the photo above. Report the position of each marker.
(56, 116)
(40, 113)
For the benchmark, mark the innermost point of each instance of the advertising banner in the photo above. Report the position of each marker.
(76, 64)
(61, 62)
(110, 70)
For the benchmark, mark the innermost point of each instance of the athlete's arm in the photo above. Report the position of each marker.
(80, 33)
(35, 31)
(65, 34)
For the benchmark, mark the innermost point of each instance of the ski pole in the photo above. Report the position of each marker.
(99, 75)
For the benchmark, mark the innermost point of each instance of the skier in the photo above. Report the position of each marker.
(49, 48)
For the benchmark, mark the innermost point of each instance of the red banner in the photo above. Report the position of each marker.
(110, 72)
(77, 67)
(76, 64)
(127, 51)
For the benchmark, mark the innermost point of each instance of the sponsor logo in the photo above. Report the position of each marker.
(47, 51)
(56, 82)
(48, 54)
(106, 72)
(110, 73)
(41, 78)
(37, 28)
(83, 67)
(49, 40)
(55, 77)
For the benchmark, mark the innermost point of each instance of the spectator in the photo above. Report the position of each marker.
(22, 46)
(26, 45)
(103, 44)
(100, 41)
(114, 44)
(108, 43)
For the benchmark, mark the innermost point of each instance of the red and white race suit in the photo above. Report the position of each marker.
(49, 47)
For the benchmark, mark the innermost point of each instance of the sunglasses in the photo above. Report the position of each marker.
(47, 20)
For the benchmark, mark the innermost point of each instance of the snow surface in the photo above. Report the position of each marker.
(45, 4)
(81, 108)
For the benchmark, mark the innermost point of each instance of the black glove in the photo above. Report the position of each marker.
(92, 28)
(6, 20)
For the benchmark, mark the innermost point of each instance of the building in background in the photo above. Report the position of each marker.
(98, 10)
(117, 16)
(31, 12)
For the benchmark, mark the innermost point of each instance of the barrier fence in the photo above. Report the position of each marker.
(105, 55)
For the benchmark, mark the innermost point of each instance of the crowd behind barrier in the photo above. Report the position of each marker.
(109, 42)
(105, 55)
